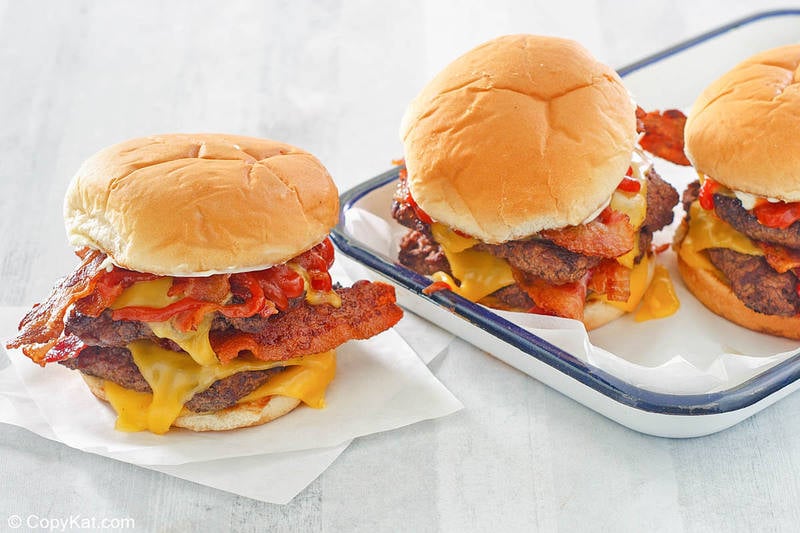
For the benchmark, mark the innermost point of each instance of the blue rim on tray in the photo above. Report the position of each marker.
(738, 397)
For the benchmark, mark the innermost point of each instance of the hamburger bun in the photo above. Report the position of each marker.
(718, 297)
(241, 415)
(743, 129)
(520, 134)
(234, 204)
(598, 313)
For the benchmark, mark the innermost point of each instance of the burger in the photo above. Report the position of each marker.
(524, 188)
(739, 244)
(203, 297)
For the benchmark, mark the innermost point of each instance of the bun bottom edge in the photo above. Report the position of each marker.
(241, 415)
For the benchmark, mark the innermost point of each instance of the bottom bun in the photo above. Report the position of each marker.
(719, 298)
(241, 415)
(598, 313)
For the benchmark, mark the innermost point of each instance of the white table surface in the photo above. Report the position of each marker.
(334, 77)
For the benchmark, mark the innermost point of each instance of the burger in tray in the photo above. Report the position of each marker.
(203, 298)
(524, 187)
(739, 245)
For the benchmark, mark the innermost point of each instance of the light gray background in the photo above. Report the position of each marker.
(334, 77)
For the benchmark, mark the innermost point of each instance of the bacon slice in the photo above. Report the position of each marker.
(609, 235)
(612, 279)
(367, 309)
(42, 327)
(780, 258)
(107, 287)
(214, 288)
(566, 300)
(663, 134)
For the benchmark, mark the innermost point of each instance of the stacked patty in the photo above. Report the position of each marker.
(753, 280)
(299, 329)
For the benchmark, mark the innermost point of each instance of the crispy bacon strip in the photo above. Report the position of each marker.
(367, 309)
(42, 327)
(566, 300)
(609, 235)
(189, 312)
(107, 287)
(780, 258)
(612, 279)
(663, 134)
(214, 288)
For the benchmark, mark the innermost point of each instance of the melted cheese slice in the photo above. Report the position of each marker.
(479, 273)
(151, 293)
(706, 230)
(154, 294)
(632, 204)
(660, 300)
(176, 378)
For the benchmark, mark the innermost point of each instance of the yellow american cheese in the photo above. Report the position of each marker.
(176, 378)
(151, 293)
(632, 204)
(659, 300)
(706, 230)
(479, 273)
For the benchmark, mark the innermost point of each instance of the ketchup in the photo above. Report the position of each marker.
(706, 196)
(629, 185)
(777, 214)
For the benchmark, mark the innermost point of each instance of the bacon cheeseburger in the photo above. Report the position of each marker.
(739, 245)
(203, 298)
(525, 189)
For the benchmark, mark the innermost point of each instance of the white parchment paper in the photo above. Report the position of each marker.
(381, 384)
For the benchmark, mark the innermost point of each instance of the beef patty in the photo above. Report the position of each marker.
(730, 210)
(756, 284)
(420, 253)
(116, 364)
(661, 198)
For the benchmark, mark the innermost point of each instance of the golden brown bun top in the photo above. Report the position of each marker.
(199, 204)
(520, 134)
(744, 131)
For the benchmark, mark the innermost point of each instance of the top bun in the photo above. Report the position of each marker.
(743, 130)
(194, 205)
(521, 134)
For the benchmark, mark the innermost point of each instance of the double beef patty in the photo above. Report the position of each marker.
(759, 286)
(116, 364)
(537, 257)
(752, 279)
(107, 357)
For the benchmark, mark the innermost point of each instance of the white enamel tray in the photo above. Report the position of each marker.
(670, 79)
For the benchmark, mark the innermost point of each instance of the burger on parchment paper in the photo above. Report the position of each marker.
(203, 298)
